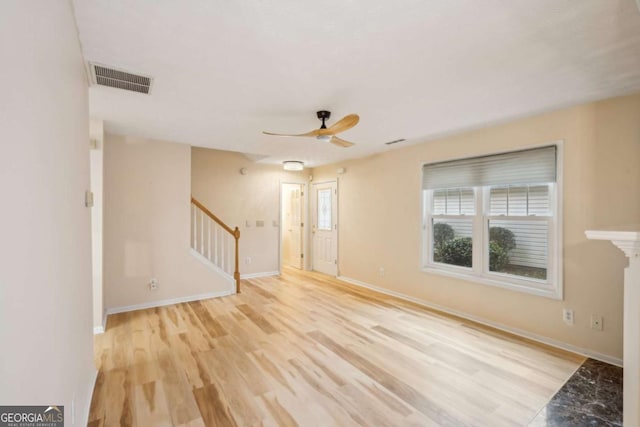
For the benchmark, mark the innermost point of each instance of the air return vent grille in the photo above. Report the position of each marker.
(108, 76)
(395, 141)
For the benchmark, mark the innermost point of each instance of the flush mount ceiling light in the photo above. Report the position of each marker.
(293, 165)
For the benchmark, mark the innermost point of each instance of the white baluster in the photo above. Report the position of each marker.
(202, 232)
(215, 244)
(222, 252)
(209, 239)
(198, 215)
(193, 226)
(230, 258)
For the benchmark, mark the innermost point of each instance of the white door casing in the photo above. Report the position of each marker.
(324, 227)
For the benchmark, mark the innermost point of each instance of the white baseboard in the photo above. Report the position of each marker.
(100, 328)
(515, 331)
(217, 269)
(261, 274)
(172, 301)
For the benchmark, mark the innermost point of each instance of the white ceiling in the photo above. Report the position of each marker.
(226, 70)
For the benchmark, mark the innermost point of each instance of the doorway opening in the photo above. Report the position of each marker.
(292, 214)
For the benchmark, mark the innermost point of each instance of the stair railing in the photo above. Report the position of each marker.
(210, 238)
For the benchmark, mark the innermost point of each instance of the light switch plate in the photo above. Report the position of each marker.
(88, 198)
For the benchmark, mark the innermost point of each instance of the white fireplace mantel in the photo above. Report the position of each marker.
(627, 239)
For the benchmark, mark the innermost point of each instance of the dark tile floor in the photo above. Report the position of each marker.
(591, 397)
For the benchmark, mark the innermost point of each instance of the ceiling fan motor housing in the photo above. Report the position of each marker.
(323, 115)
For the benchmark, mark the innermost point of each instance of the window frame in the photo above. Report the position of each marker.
(479, 272)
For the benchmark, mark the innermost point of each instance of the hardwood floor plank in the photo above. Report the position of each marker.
(232, 388)
(151, 405)
(98, 399)
(280, 415)
(304, 349)
(271, 369)
(214, 411)
(387, 399)
(178, 391)
(96, 423)
(118, 408)
(196, 373)
(213, 327)
(257, 318)
(402, 390)
(197, 333)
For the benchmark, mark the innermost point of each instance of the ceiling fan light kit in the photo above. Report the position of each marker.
(328, 134)
(293, 165)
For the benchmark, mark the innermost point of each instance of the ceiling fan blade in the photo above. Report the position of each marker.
(315, 132)
(346, 123)
(341, 142)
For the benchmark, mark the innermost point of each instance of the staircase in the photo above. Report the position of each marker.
(215, 241)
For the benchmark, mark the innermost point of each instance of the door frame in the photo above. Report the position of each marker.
(304, 205)
(312, 206)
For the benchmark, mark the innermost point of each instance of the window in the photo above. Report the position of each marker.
(324, 209)
(494, 220)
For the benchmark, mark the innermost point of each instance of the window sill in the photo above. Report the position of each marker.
(548, 291)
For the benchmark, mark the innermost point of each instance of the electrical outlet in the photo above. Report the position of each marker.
(597, 322)
(153, 284)
(247, 260)
(567, 316)
(381, 271)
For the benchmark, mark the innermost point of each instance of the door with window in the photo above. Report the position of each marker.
(325, 227)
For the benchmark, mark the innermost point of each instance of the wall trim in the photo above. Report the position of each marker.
(260, 274)
(477, 319)
(87, 409)
(223, 274)
(171, 301)
(100, 328)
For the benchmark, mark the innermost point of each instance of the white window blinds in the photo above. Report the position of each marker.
(535, 166)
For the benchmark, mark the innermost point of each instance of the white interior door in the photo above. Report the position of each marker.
(325, 227)
(292, 225)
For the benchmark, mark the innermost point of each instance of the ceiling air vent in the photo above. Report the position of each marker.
(107, 76)
(395, 141)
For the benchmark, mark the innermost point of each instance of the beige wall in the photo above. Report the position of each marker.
(147, 224)
(46, 345)
(216, 181)
(380, 220)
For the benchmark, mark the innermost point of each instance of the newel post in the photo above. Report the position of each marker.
(236, 273)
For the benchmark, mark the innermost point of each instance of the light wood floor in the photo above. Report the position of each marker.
(307, 350)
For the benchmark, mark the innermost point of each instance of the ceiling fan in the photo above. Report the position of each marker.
(329, 133)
